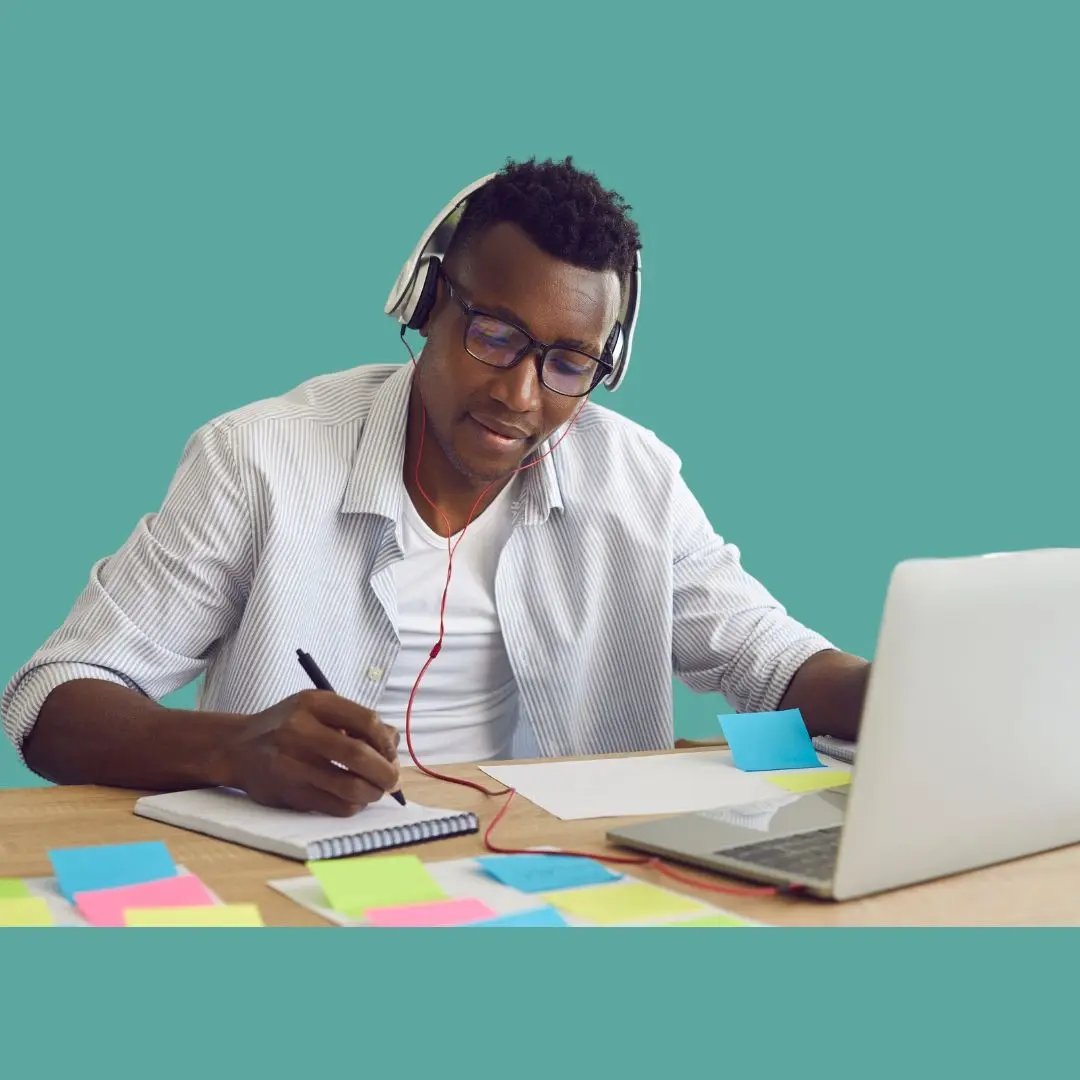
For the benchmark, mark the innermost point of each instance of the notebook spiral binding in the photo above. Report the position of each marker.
(378, 839)
(840, 749)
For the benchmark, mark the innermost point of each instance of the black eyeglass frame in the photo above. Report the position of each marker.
(604, 365)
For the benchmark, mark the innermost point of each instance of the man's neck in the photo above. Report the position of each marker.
(454, 494)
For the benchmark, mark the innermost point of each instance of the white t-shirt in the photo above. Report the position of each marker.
(466, 707)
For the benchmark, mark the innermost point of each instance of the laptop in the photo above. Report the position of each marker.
(969, 742)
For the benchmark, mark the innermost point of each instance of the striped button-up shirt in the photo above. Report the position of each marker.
(278, 531)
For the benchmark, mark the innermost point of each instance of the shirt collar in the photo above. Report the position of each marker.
(375, 483)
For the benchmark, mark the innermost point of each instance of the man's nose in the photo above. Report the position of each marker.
(519, 388)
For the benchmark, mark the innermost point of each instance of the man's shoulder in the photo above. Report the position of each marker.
(340, 398)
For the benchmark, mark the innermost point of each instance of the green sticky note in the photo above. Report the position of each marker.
(624, 902)
(11, 887)
(712, 920)
(205, 915)
(811, 780)
(24, 911)
(354, 885)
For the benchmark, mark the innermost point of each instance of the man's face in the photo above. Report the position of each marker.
(502, 272)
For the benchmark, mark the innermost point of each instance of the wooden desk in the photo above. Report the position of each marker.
(1039, 890)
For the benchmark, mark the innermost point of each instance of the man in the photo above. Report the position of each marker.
(319, 520)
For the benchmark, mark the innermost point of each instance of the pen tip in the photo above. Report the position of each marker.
(399, 797)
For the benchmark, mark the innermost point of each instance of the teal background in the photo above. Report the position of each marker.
(644, 1003)
(859, 330)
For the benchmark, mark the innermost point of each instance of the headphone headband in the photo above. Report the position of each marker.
(413, 294)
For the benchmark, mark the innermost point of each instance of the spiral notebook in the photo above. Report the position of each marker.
(230, 815)
(841, 749)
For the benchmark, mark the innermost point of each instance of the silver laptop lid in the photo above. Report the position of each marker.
(969, 751)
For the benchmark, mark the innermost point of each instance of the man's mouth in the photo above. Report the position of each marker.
(505, 434)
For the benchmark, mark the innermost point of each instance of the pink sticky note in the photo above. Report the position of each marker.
(105, 907)
(434, 913)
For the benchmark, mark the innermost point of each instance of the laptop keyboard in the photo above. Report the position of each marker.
(808, 854)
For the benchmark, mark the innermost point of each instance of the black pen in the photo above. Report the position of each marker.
(323, 683)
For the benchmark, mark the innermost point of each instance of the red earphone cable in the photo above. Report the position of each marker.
(451, 548)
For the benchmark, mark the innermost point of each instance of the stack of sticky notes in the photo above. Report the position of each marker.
(538, 916)
(19, 908)
(592, 895)
(218, 915)
(633, 903)
(13, 889)
(762, 742)
(140, 885)
(393, 890)
(775, 741)
(811, 780)
(539, 875)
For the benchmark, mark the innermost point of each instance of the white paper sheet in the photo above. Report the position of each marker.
(647, 784)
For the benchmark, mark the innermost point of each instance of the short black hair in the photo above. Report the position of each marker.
(563, 210)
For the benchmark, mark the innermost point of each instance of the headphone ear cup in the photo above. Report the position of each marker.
(429, 272)
(615, 351)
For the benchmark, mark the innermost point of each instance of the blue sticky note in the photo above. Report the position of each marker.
(545, 873)
(541, 916)
(104, 866)
(769, 740)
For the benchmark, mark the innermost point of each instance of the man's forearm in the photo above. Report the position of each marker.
(90, 731)
(829, 690)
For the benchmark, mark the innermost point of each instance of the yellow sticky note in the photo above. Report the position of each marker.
(713, 920)
(24, 911)
(354, 885)
(810, 779)
(623, 902)
(217, 915)
(12, 887)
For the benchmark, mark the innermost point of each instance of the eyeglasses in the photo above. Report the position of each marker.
(501, 344)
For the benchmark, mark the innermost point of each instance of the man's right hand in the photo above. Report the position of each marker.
(284, 756)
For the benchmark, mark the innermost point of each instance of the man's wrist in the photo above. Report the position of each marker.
(208, 760)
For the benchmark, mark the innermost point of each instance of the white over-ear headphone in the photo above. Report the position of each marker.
(413, 295)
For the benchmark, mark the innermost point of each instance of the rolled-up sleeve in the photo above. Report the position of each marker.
(150, 614)
(729, 634)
